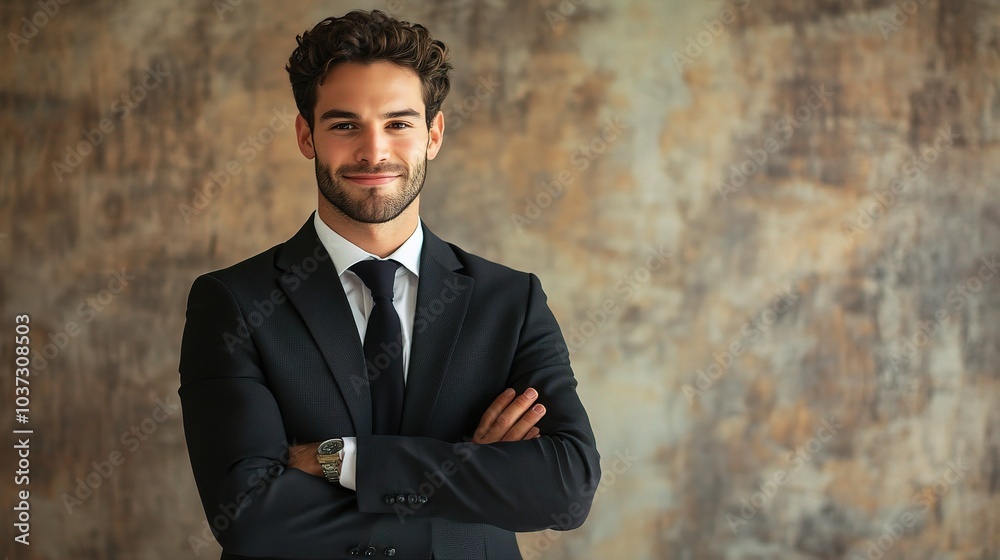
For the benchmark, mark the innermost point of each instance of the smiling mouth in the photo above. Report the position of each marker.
(371, 180)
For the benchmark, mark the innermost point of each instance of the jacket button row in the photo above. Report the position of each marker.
(390, 499)
(371, 551)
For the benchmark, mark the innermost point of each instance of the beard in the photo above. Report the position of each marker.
(369, 205)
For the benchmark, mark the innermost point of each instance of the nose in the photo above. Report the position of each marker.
(373, 147)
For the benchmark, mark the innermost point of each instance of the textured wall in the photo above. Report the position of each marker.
(769, 229)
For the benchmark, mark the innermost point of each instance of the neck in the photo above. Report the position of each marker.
(377, 239)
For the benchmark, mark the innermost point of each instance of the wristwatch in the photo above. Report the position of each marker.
(328, 455)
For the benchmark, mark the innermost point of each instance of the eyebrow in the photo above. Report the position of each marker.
(341, 114)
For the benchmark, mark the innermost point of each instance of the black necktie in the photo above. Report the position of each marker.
(383, 346)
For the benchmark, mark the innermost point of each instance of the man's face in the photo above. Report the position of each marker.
(370, 140)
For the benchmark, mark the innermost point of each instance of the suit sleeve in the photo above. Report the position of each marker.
(546, 482)
(256, 505)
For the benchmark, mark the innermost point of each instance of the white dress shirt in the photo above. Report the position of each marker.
(344, 255)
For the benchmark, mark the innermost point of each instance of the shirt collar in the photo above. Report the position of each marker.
(345, 254)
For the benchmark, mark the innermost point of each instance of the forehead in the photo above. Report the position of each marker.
(377, 86)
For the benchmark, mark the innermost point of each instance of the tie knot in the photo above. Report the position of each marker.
(379, 276)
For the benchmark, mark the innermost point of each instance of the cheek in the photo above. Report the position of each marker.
(414, 153)
(410, 148)
(338, 154)
(331, 151)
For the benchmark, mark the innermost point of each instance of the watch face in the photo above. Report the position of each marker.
(330, 446)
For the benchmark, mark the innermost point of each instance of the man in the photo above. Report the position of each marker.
(366, 389)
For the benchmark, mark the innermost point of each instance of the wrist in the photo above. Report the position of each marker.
(330, 455)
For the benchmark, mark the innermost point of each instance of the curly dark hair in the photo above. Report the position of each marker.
(365, 37)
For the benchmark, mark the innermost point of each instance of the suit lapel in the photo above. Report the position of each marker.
(442, 300)
(310, 281)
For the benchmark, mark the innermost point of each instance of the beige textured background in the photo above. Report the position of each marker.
(856, 416)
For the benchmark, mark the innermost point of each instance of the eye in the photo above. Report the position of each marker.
(341, 126)
(399, 125)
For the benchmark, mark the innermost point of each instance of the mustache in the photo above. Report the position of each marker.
(362, 169)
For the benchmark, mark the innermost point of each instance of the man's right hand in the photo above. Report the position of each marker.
(510, 418)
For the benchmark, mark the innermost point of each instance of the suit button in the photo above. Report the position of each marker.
(370, 551)
(400, 498)
(422, 499)
(390, 499)
(355, 551)
(389, 551)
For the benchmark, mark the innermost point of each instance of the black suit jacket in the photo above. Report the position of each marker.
(271, 356)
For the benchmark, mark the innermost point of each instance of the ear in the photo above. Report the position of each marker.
(304, 136)
(435, 135)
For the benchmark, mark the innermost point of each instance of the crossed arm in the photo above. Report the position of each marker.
(508, 418)
(510, 475)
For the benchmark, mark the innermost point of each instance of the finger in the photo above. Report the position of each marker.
(520, 429)
(491, 414)
(533, 433)
(510, 415)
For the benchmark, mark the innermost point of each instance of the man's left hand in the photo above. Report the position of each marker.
(507, 419)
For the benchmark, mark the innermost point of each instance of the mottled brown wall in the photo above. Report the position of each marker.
(815, 355)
